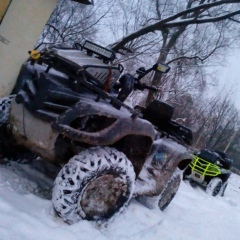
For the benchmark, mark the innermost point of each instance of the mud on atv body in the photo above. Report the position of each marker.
(67, 107)
(210, 170)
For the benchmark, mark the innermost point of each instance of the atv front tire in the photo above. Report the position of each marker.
(186, 173)
(214, 186)
(4, 109)
(94, 185)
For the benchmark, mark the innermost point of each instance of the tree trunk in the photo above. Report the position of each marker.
(166, 47)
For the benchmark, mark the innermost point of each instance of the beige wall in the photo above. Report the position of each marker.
(19, 32)
(3, 7)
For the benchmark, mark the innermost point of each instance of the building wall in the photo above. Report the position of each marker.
(19, 31)
(3, 7)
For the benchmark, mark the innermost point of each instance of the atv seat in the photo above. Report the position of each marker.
(225, 161)
(207, 155)
(158, 112)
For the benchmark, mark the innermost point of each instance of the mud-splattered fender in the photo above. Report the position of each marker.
(164, 158)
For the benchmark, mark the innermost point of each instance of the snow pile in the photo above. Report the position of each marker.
(26, 213)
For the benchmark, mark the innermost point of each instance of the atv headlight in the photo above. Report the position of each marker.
(97, 49)
(160, 159)
(161, 67)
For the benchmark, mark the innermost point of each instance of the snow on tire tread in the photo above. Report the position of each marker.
(4, 109)
(82, 168)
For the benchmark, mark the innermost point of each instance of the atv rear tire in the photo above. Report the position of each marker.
(223, 189)
(94, 185)
(169, 191)
(164, 199)
(214, 186)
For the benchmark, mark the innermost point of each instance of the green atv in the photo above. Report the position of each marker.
(209, 169)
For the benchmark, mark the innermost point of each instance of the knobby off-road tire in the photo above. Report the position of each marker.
(5, 109)
(7, 150)
(163, 200)
(169, 191)
(94, 185)
(214, 186)
(223, 189)
(4, 116)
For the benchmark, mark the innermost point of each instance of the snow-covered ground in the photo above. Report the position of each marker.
(26, 213)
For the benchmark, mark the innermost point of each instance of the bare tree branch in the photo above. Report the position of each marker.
(170, 22)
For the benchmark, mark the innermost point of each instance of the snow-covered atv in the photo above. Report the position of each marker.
(209, 169)
(69, 110)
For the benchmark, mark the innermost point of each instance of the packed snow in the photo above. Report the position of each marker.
(26, 213)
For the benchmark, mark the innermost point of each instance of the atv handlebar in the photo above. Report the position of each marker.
(153, 89)
(142, 86)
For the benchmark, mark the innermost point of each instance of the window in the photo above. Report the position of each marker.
(3, 8)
